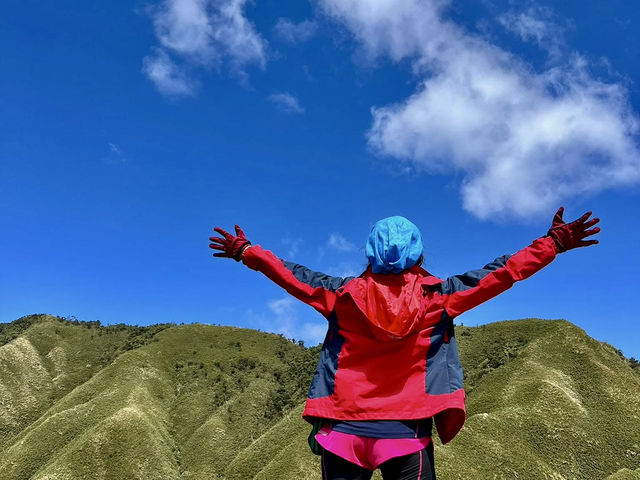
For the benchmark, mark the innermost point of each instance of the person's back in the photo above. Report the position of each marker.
(389, 364)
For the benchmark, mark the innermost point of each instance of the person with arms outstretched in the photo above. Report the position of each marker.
(389, 367)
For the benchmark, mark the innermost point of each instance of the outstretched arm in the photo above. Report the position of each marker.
(313, 288)
(463, 292)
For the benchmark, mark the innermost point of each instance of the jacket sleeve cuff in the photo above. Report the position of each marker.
(252, 257)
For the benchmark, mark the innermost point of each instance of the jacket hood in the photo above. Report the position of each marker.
(393, 304)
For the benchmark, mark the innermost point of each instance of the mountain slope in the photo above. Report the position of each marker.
(80, 401)
(566, 406)
(183, 404)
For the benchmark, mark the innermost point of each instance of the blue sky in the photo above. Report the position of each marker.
(130, 130)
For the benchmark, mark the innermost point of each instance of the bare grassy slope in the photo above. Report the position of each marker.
(552, 403)
(81, 401)
(182, 405)
(47, 359)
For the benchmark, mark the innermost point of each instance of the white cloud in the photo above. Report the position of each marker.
(535, 24)
(286, 320)
(168, 78)
(340, 243)
(294, 246)
(286, 102)
(314, 333)
(524, 140)
(116, 153)
(237, 36)
(184, 27)
(290, 32)
(283, 307)
(347, 269)
(202, 33)
(113, 148)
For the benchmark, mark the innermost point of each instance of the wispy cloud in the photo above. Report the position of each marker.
(115, 155)
(524, 140)
(293, 245)
(168, 78)
(283, 307)
(115, 149)
(286, 102)
(340, 243)
(535, 24)
(202, 34)
(286, 319)
(291, 32)
(347, 269)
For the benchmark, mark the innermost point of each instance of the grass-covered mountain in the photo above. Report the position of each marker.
(81, 401)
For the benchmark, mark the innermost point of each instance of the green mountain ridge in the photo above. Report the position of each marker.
(82, 401)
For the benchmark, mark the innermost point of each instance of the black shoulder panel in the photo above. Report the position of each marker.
(466, 281)
(316, 279)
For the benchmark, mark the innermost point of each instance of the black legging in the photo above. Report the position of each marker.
(417, 466)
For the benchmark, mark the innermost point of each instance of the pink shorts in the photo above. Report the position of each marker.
(368, 452)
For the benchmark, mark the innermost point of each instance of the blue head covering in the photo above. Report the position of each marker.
(394, 245)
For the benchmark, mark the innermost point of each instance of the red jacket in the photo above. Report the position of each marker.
(390, 352)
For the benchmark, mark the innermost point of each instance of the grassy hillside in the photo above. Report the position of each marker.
(81, 401)
(547, 399)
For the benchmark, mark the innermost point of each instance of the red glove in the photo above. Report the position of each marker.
(572, 235)
(232, 246)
